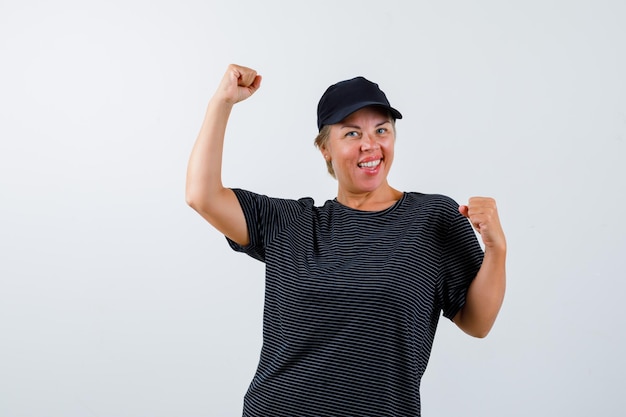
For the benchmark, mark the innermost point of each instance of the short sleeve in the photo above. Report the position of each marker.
(265, 218)
(462, 257)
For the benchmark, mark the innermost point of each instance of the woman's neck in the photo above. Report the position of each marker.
(377, 200)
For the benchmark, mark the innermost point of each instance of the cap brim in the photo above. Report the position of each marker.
(358, 106)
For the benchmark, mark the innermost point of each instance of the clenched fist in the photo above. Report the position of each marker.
(483, 215)
(238, 84)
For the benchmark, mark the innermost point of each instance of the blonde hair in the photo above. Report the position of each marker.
(320, 143)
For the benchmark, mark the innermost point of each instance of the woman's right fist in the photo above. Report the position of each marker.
(238, 84)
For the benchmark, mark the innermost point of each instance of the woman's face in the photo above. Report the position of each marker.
(360, 148)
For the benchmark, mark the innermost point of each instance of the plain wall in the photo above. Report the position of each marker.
(116, 299)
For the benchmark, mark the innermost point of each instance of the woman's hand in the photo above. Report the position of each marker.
(483, 215)
(238, 84)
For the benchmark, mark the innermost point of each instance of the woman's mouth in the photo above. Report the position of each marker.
(370, 164)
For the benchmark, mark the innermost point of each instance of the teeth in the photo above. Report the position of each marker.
(370, 164)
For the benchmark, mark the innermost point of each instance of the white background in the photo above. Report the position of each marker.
(116, 299)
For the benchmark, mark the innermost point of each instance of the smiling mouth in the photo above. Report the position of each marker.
(370, 164)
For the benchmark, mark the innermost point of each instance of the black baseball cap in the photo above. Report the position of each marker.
(344, 98)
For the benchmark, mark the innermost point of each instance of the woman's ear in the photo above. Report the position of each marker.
(325, 152)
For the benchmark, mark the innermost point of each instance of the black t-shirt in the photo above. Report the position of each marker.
(352, 301)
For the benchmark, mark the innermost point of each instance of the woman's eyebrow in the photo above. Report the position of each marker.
(350, 126)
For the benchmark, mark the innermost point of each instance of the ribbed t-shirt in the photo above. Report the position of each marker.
(352, 301)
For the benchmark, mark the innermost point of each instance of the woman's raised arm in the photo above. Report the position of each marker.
(486, 292)
(204, 190)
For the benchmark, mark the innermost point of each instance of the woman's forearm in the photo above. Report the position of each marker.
(484, 295)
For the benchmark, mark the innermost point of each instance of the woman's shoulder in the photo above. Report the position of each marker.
(436, 209)
(440, 200)
(263, 202)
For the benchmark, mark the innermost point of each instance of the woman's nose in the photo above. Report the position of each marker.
(368, 142)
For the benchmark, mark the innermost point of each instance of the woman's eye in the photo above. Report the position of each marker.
(381, 130)
(352, 134)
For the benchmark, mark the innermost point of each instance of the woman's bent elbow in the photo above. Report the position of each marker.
(194, 200)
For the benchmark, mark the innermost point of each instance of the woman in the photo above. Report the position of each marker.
(354, 288)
